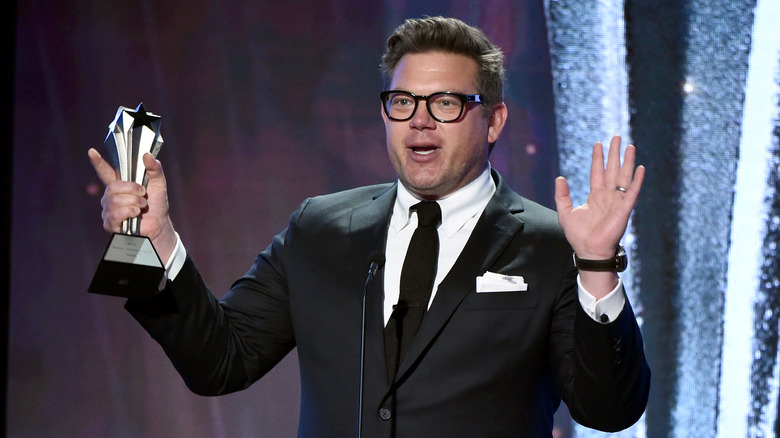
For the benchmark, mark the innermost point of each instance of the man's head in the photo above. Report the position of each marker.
(449, 35)
(437, 154)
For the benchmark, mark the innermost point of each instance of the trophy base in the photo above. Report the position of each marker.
(130, 268)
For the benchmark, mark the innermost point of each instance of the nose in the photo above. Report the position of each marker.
(422, 119)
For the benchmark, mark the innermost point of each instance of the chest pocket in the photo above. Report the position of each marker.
(527, 299)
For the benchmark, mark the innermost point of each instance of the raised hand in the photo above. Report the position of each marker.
(594, 229)
(124, 199)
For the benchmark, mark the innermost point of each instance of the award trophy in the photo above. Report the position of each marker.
(130, 266)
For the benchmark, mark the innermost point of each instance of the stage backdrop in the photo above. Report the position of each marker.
(267, 103)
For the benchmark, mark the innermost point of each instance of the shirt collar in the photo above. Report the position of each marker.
(456, 208)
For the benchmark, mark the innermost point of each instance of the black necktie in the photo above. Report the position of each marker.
(417, 277)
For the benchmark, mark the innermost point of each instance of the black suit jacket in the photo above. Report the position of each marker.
(481, 365)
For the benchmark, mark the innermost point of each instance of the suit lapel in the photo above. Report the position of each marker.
(495, 229)
(369, 222)
(368, 236)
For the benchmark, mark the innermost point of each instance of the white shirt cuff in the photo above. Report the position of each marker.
(175, 262)
(611, 305)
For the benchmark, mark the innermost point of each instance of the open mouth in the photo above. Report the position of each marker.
(423, 150)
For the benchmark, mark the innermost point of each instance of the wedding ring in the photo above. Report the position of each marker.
(620, 189)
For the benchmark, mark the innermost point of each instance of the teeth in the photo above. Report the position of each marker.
(424, 151)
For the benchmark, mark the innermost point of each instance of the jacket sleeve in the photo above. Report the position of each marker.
(609, 381)
(222, 346)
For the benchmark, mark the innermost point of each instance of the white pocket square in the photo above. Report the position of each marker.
(492, 282)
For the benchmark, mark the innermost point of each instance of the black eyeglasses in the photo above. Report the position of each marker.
(444, 106)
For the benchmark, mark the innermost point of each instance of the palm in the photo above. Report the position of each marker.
(595, 228)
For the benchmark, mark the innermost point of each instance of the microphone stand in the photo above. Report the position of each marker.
(377, 261)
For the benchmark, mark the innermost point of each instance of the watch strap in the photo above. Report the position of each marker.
(618, 263)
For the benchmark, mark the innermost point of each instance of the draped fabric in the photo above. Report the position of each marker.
(267, 103)
(701, 97)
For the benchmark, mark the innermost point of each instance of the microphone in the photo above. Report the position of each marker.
(375, 262)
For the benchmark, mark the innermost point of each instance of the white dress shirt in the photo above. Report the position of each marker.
(460, 212)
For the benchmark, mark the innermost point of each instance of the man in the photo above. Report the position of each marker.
(481, 357)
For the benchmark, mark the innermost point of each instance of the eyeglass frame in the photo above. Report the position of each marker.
(464, 99)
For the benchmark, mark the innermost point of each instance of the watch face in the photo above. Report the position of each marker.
(621, 259)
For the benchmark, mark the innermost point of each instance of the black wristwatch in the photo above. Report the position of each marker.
(618, 263)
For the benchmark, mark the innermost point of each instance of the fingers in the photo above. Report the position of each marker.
(113, 218)
(563, 203)
(122, 200)
(613, 169)
(625, 173)
(103, 169)
(562, 192)
(154, 171)
(597, 167)
(617, 173)
(613, 157)
(636, 183)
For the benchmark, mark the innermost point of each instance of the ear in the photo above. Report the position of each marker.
(496, 121)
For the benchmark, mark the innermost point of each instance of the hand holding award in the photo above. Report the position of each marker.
(130, 266)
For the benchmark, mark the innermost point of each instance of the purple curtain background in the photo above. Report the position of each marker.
(263, 104)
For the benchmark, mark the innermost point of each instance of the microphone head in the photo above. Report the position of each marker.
(378, 258)
(375, 262)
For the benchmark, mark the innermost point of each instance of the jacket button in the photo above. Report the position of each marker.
(385, 414)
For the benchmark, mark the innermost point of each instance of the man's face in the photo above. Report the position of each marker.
(433, 159)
